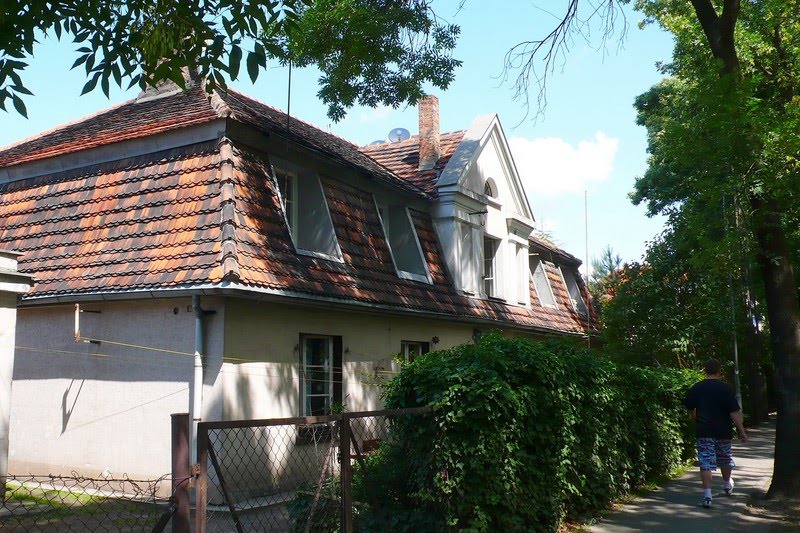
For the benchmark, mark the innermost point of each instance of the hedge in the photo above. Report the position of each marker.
(527, 433)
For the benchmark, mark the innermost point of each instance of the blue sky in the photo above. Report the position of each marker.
(587, 139)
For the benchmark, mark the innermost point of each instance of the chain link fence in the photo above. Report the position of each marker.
(293, 474)
(77, 503)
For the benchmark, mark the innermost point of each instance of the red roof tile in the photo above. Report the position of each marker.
(143, 222)
(402, 158)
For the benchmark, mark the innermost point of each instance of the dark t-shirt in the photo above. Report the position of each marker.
(714, 401)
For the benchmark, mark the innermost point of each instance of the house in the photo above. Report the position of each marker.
(218, 256)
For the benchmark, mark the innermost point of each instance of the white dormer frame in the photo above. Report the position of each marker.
(483, 129)
(402, 273)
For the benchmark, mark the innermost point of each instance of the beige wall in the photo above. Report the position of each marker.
(105, 407)
(264, 337)
(261, 339)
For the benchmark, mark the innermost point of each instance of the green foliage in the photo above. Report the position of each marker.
(369, 52)
(526, 433)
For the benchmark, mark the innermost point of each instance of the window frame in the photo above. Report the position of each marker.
(495, 267)
(424, 347)
(382, 209)
(546, 279)
(294, 174)
(289, 214)
(575, 306)
(331, 395)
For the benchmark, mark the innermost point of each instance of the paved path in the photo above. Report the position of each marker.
(675, 507)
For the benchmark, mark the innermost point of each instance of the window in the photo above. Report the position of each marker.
(490, 269)
(541, 283)
(523, 277)
(468, 259)
(489, 189)
(411, 349)
(307, 215)
(321, 376)
(574, 291)
(403, 243)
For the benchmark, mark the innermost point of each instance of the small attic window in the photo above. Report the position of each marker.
(540, 282)
(307, 215)
(490, 189)
(574, 291)
(403, 242)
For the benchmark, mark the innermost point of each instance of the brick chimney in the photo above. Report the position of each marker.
(430, 149)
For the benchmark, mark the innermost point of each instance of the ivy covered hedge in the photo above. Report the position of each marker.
(526, 433)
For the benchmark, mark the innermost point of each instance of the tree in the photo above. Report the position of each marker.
(737, 65)
(605, 278)
(369, 51)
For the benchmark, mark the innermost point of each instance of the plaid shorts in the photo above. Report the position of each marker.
(713, 452)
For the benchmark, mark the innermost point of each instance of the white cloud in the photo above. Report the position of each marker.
(552, 166)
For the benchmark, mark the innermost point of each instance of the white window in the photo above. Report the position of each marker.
(541, 283)
(317, 375)
(574, 291)
(307, 214)
(411, 349)
(522, 275)
(467, 258)
(403, 242)
(490, 270)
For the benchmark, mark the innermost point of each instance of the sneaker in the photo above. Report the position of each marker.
(707, 503)
(729, 489)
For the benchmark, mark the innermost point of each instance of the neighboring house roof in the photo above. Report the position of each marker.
(136, 119)
(402, 158)
(189, 217)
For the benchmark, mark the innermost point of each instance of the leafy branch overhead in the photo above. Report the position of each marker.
(369, 52)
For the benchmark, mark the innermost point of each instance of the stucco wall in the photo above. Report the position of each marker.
(97, 407)
(264, 337)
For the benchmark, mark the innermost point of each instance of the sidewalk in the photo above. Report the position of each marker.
(675, 507)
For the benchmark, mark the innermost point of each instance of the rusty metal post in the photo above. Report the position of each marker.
(346, 474)
(181, 472)
(201, 482)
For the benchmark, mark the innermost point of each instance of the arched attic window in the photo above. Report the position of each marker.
(490, 189)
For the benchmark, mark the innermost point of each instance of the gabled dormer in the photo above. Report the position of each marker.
(482, 215)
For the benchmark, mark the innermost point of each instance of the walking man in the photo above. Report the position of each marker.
(713, 406)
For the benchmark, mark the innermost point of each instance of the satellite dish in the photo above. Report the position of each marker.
(376, 142)
(399, 134)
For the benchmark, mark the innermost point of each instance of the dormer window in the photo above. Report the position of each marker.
(574, 291)
(490, 269)
(403, 242)
(541, 283)
(306, 212)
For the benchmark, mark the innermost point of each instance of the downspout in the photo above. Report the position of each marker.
(196, 408)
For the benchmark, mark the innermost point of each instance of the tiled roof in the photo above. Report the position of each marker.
(189, 216)
(367, 274)
(132, 120)
(145, 222)
(402, 158)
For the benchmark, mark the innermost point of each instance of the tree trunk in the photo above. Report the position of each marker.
(783, 312)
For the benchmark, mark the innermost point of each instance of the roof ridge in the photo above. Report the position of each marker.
(229, 251)
(66, 124)
(294, 117)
